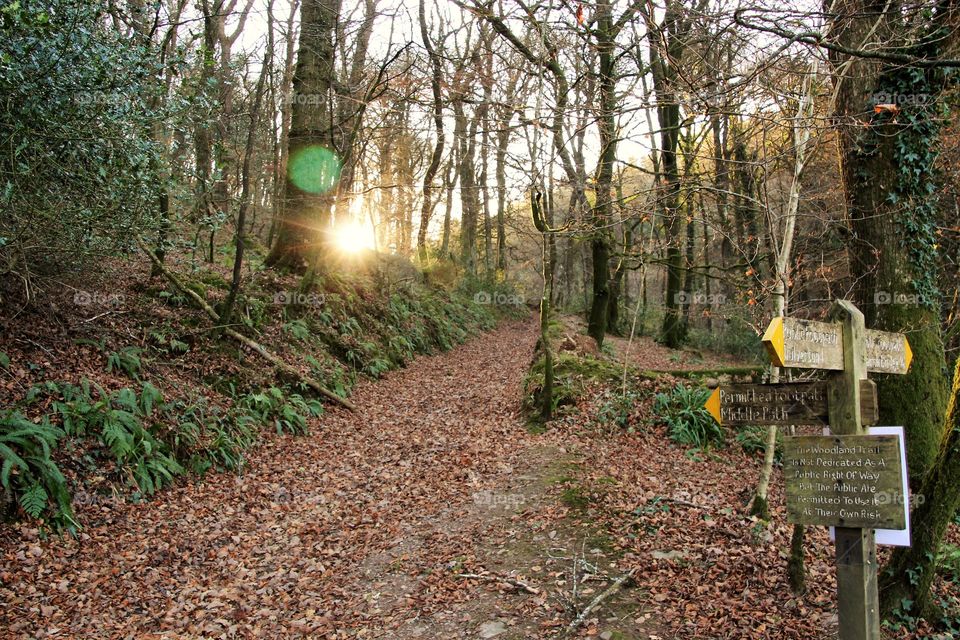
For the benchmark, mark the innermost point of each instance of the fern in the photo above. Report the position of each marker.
(298, 329)
(27, 470)
(688, 421)
(149, 398)
(34, 500)
(126, 360)
(118, 439)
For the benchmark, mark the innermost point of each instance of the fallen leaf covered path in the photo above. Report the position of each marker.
(298, 544)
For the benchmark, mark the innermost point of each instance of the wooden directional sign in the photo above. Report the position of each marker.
(849, 480)
(799, 404)
(807, 344)
(844, 481)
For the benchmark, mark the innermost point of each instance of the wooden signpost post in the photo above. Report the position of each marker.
(848, 479)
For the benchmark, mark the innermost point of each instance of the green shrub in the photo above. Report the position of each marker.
(688, 421)
(28, 474)
(229, 436)
(117, 419)
(615, 408)
(79, 191)
(204, 437)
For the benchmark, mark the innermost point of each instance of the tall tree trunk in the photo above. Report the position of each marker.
(546, 394)
(469, 197)
(887, 170)
(667, 43)
(286, 88)
(240, 237)
(436, 79)
(602, 211)
(745, 207)
(892, 248)
(308, 196)
(484, 117)
(351, 105)
(449, 181)
(503, 141)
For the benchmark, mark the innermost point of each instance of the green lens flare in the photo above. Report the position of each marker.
(314, 169)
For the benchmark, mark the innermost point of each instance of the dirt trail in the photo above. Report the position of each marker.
(358, 530)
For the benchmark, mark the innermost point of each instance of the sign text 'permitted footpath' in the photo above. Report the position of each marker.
(798, 404)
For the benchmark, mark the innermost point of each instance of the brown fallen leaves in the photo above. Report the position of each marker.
(362, 529)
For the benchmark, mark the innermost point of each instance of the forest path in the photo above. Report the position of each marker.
(357, 530)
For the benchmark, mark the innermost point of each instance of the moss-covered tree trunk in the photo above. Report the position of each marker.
(602, 211)
(886, 166)
(888, 150)
(541, 222)
(906, 581)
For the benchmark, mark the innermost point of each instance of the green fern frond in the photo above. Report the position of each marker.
(34, 500)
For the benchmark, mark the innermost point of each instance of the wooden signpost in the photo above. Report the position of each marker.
(848, 479)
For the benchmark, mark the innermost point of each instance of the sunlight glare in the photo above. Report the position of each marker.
(353, 237)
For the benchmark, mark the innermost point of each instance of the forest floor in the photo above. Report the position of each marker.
(366, 528)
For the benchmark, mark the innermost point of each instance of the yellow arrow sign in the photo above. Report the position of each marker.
(713, 405)
(773, 341)
(792, 403)
(807, 344)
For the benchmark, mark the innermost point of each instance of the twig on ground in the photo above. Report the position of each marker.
(596, 602)
(684, 503)
(100, 315)
(513, 582)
